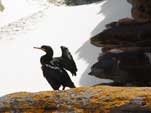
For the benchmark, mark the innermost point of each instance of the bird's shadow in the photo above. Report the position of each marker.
(112, 10)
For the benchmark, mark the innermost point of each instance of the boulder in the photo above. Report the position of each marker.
(126, 53)
(124, 68)
(97, 99)
(124, 33)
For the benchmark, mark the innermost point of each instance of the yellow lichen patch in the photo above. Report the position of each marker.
(82, 99)
(18, 95)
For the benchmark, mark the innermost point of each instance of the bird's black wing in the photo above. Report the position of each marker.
(67, 60)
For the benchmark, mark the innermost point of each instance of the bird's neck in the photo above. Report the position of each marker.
(45, 59)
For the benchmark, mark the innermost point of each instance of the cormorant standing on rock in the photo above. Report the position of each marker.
(55, 75)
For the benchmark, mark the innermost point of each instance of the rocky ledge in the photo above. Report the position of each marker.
(72, 2)
(126, 53)
(97, 99)
(124, 33)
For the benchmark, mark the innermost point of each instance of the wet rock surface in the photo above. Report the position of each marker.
(98, 99)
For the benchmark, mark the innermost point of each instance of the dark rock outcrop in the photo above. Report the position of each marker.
(124, 33)
(126, 44)
(126, 48)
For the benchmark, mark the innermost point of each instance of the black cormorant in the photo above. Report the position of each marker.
(54, 74)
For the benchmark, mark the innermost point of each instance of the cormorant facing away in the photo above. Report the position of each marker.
(52, 71)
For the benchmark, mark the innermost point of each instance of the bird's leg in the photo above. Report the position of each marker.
(63, 88)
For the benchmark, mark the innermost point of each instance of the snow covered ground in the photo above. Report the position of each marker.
(29, 23)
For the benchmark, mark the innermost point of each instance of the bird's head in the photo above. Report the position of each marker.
(46, 49)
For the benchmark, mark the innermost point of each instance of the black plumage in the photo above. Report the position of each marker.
(66, 61)
(52, 71)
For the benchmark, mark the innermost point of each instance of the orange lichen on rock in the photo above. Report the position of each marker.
(98, 99)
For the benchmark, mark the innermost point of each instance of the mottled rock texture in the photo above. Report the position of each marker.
(98, 99)
(141, 9)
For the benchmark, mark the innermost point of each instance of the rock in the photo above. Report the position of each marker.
(124, 60)
(97, 99)
(124, 33)
(72, 2)
(127, 67)
(126, 52)
(141, 9)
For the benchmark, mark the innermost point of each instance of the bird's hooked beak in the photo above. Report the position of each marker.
(39, 48)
